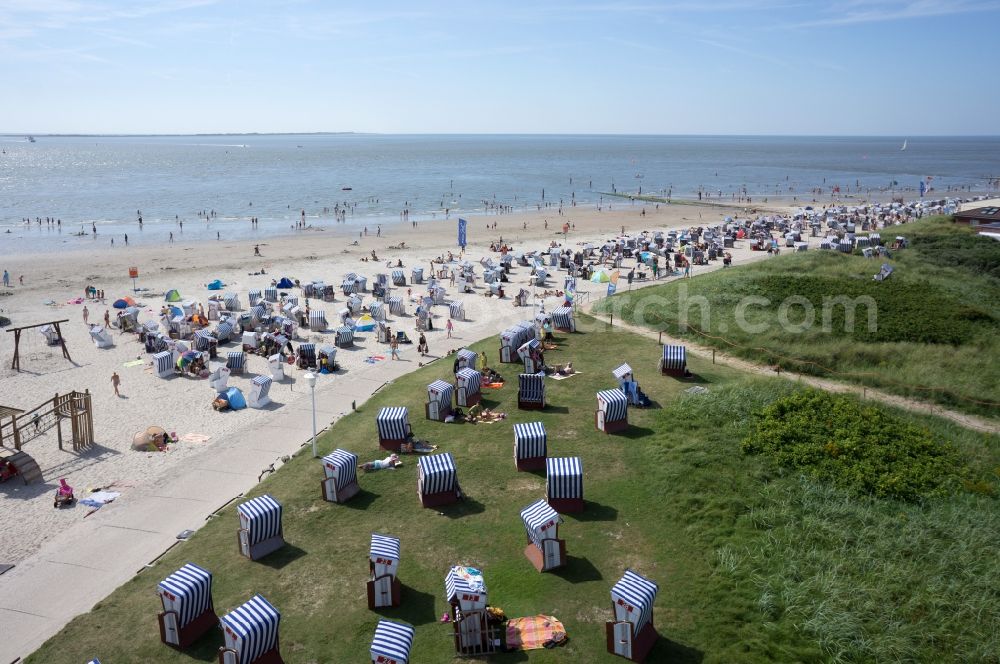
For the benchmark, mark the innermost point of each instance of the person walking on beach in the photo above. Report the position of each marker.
(86, 314)
(394, 348)
(256, 250)
(422, 344)
(126, 239)
(450, 327)
(107, 318)
(6, 278)
(116, 381)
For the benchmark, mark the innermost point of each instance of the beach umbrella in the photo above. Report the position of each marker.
(172, 296)
(187, 358)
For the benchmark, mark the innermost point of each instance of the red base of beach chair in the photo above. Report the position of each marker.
(566, 505)
(438, 499)
(677, 373)
(642, 642)
(469, 401)
(395, 590)
(537, 558)
(442, 413)
(191, 632)
(328, 490)
(609, 427)
(391, 445)
(530, 463)
(530, 405)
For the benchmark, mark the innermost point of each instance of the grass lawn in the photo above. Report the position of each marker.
(754, 563)
(937, 336)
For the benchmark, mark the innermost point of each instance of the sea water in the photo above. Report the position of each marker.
(103, 182)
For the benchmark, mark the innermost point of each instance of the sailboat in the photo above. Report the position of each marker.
(904, 145)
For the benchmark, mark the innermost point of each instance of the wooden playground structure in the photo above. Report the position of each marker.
(19, 427)
(16, 363)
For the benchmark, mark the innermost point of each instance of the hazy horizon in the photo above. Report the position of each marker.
(57, 134)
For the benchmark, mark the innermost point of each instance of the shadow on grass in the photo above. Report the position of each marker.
(634, 432)
(415, 607)
(595, 512)
(666, 650)
(549, 408)
(462, 508)
(577, 570)
(283, 556)
(361, 500)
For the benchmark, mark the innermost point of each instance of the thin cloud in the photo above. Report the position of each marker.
(856, 12)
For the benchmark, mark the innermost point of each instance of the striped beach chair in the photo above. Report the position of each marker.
(631, 634)
(623, 373)
(307, 355)
(276, 365)
(564, 484)
(260, 530)
(395, 304)
(235, 361)
(271, 294)
(393, 425)
(541, 524)
(225, 331)
(530, 353)
(218, 378)
(360, 284)
(345, 337)
(340, 481)
(250, 632)
(101, 337)
(249, 341)
(392, 642)
(540, 276)
(317, 319)
(383, 565)
(204, 341)
(417, 275)
(563, 320)
(188, 611)
(801, 246)
(398, 278)
(612, 411)
(825, 244)
(438, 294)
(232, 301)
(163, 364)
(530, 449)
(254, 296)
(467, 597)
(348, 286)
(531, 391)
(456, 310)
(377, 311)
(673, 362)
(258, 313)
(438, 406)
(467, 359)
(326, 358)
(468, 387)
(875, 239)
(355, 304)
(862, 242)
(845, 246)
(437, 480)
(257, 397)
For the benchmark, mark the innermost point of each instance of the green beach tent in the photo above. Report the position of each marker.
(173, 295)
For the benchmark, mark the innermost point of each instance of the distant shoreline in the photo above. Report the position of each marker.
(37, 134)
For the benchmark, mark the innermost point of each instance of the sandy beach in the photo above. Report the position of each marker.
(181, 404)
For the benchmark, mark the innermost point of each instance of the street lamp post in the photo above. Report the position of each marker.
(311, 382)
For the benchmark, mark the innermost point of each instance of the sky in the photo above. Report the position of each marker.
(838, 67)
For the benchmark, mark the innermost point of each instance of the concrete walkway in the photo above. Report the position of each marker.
(85, 563)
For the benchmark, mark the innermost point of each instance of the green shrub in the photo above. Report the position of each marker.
(862, 448)
(971, 252)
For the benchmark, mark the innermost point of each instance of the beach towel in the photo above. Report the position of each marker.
(99, 499)
(558, 377)
(534, 632)
(194, 438)
(134, 363)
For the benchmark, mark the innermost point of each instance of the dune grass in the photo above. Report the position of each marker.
(936, 332)
(755, 562)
